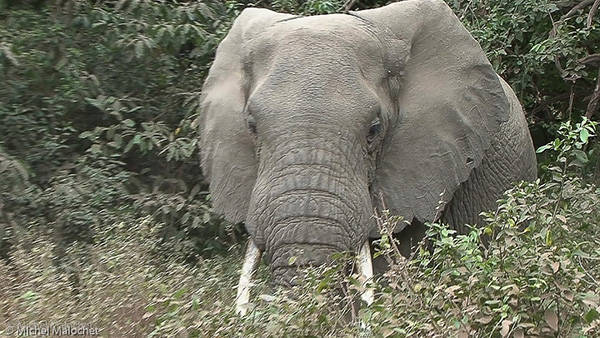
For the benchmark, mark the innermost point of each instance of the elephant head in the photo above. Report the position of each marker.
(306, 121)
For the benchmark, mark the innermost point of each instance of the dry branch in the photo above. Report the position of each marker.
(591, 14)
(577, 7)
(594, 61)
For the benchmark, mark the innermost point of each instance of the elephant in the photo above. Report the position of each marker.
(308, 123)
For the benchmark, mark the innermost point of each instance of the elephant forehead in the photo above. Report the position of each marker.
(335, 43)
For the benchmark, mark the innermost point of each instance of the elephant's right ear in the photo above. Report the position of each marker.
(227, 148)
(450, 104)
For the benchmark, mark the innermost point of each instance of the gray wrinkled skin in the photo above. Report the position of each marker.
(306, 121)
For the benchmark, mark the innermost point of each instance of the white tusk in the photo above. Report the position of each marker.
(250, 266)
(365, 268)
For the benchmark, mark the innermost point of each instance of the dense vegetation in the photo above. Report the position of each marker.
(104, 217)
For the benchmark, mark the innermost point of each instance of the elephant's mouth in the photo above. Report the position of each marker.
(252, 259)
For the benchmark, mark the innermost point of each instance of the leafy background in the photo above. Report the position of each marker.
(102, 200)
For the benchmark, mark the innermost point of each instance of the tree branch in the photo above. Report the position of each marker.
(593, 61)
(576, 8)
(590, 18)
(546, 103)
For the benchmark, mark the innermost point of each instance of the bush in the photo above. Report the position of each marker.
(123, 284)
(536, 277)
(106, 93)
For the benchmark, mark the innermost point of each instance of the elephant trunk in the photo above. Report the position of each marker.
(309, 202)
(307, 228)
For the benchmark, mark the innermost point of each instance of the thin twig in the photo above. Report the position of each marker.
(592, 107)
(552, 35)
(348, 5)
(561, 190)
(571, 13)
(384, 224)
(587, 273)
(571, 97)
(467, 8)
(546, 103)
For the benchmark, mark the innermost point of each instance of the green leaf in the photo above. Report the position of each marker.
(584, 135)
(194, 192)
(30, 295)
(548, 238)
(580, 158)
(557, 142)
(544, 148)
(179, 293)
(86, 134)
(591, 315)
(129, 145)
(98, 103)
(96, 149)
(195, 304)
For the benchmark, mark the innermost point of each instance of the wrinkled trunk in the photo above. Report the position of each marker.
(310, 201)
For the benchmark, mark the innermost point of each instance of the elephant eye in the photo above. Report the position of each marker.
(251, 123)
(374, 130)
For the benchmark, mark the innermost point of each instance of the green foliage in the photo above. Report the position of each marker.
(536, 277)
(120, 81)
(569, 149)
(537, 47)
(107, 92)
(315, 7)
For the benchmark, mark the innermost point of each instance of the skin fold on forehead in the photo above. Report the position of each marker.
(316, 43)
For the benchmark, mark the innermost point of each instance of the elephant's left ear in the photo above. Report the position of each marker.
(450, 103)
(227, 150)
